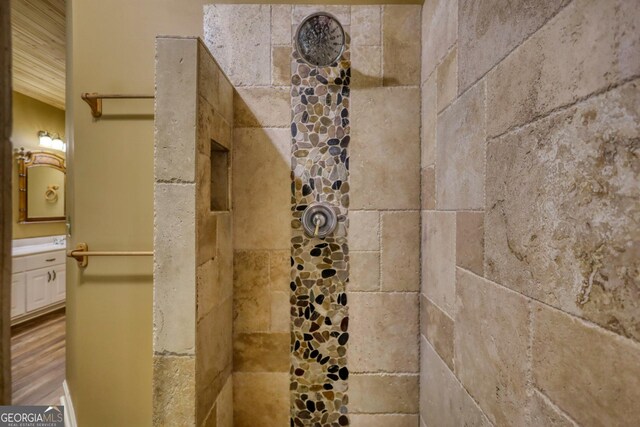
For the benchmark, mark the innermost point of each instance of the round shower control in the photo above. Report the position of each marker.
(319, 220)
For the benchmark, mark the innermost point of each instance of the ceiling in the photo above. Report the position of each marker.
(39, 51)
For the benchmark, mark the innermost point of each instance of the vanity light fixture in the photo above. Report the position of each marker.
(48, 140)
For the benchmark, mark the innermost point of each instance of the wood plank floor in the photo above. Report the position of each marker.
(38, 360)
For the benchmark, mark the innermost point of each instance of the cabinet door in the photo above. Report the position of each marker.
(58, 285)
(37, 283)
(18, 297)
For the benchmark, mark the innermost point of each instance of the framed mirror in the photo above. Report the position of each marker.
(41, 186)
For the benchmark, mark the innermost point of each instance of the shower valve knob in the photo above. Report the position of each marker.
(319, 220)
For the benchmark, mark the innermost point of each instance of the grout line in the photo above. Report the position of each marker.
(387, 374)
(439, 308)
(457, 380)
(380, 250)
(498, 62)
(391, 210)
(560, 108)
(386, 292)
(529, 367)
(174, 182)
(381, 32)
(587, 322)
(550, 402)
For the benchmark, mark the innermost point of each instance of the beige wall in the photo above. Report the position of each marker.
(29, 117)
(529, 205)
(253, 45)
(109, 305)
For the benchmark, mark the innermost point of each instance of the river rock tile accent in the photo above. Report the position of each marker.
(320, 135)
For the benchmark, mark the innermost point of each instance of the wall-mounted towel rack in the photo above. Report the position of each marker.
(81, 254)
(95, 100)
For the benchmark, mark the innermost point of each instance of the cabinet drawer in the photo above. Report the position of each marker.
(43, 260)
(18, 264)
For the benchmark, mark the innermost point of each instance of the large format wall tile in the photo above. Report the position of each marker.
(175, 146)
(261, 352)
(366, 26)
(460, 152)
(224, 405)
(544, 413)
(562, 218)
(213, 354)
(383, 393)
(260, 399)
(378, 420)
(174, 387)
(400, 251)
(437, 327)
(239, 36)
(591, 374)
(261, 193)
(385, 148)
(251, 291)
(262, 106)
(174, 269)
(384, 332)
(439, 32)
(439, 258)
(364, 230)
(443, 400)
(366, 67)
(281, 25)
(587, 47)
(470, 241)
(401, 46)
(447, 79)
(429, 120)
(364, 271)
(491, 340)
(490, 29)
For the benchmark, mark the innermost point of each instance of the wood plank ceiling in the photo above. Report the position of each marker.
(39, 49)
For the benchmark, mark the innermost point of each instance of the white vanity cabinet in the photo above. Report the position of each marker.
(38, 284)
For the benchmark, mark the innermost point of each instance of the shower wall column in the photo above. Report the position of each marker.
(192, 301)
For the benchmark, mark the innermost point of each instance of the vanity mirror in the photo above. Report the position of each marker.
(41, 186)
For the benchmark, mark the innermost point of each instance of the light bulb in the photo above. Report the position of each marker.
(45, 139)
(58, 144)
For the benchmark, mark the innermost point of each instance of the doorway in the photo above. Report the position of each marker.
(38, 189)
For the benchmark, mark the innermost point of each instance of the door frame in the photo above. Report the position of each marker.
(5, 202)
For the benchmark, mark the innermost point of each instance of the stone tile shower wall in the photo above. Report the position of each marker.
(530, 189)
(193, 263)
(253, 44)
(319, 272)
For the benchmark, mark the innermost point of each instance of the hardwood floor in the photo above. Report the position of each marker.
(38, 360)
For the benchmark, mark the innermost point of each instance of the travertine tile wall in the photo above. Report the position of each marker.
(193, 264)
(253, 44)
(530, 189)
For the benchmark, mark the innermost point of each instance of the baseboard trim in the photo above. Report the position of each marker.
(37, 313)
(69, 412)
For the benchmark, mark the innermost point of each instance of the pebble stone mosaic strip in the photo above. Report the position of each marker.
(319, 267)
